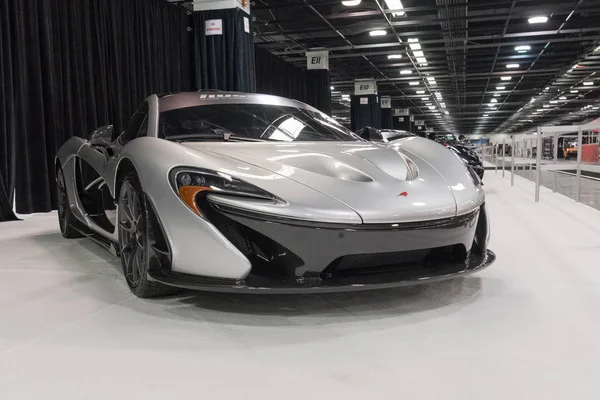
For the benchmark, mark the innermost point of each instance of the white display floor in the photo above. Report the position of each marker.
(526, 328)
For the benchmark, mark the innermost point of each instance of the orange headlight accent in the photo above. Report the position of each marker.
(188, 195)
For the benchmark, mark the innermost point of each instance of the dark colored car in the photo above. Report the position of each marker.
(382, 135)
(469, 157)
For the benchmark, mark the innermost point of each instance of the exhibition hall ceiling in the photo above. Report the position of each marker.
(466, 66)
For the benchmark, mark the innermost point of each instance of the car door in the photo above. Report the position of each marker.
(97, 166)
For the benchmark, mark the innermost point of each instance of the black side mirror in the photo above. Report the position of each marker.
(101, 136)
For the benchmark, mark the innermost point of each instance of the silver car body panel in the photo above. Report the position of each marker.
(351, 183)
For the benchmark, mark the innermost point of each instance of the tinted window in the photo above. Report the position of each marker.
(393, 135)
(138, 124)
(252, 121)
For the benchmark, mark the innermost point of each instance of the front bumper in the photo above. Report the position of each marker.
(294, 256)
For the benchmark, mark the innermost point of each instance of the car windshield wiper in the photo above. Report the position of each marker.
(218, 134)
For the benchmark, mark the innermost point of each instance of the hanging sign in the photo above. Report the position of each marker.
(317, 59)
(386, 102)
(419, 122)
(246, 25)
(401, 112)
(213, 27)
(364, 100)
(365, 86)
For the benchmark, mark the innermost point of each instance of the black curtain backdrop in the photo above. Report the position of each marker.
(225, 62)
(362, 115)
(68, 66)
(386, 118)
(318, 89)
(278, 77)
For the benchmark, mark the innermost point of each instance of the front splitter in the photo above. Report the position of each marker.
(260, 285)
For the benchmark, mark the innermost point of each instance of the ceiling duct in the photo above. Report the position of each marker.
(454, 24)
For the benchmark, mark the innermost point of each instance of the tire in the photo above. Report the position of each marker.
(66, 219)
(134, 239)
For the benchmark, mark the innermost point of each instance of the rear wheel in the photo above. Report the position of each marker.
(134, 241)
(66, 219)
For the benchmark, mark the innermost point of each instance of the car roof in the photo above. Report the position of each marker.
(174, 101)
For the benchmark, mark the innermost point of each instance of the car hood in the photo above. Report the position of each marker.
(372, 179)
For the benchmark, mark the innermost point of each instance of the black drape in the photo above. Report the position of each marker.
(368, 114)
(318, 89)
(278, 77)
(225, 62)
(70, 66)
(386, 118)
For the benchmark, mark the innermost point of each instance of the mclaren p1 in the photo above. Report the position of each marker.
(256, 193)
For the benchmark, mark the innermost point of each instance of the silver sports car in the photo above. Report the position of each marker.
(256, 193)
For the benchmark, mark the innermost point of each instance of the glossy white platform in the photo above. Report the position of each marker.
(526, 328)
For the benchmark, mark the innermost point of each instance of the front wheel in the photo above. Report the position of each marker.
(134, 242)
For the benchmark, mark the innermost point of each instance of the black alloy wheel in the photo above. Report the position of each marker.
(66, 219)
(134, 240)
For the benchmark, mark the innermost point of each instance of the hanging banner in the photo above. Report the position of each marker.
(213, 27)
(365, 86)
(364, 100)
(317, 59)
(246, 25)
(398, 112)
(386, 102)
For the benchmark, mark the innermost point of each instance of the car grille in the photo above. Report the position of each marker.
(400, 261)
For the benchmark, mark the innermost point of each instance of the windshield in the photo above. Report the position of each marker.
(252, 122)
(393, 135)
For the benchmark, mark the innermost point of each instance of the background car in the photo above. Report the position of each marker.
(389, 135)
(256, 193)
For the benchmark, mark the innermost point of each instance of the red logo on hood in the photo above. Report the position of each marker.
(403, 194)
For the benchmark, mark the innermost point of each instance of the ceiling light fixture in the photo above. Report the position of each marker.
(413, 40)
(574, 91)
(493, 101)
(332, 88)
(405, 72)
(538, 20)
(562, 98)
(413, 83)
(420, 91)
(500, 87)
(395, 7)
(588, 83)
(378, 32)
(512, 65)
(496, 95)
(523, 48)
(421, 60)
(418, 53)
(394, 56)
(506, 78)
(415, 46)
(432, 107)
(351, 3)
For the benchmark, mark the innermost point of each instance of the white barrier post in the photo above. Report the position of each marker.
(512, 162)
(579, 148)
(555, 155)
(503, 156)
(495, 153)
(538, 165)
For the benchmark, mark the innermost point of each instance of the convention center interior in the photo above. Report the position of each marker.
(299, 199)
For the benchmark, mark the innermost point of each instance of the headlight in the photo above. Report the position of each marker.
(191, 183)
